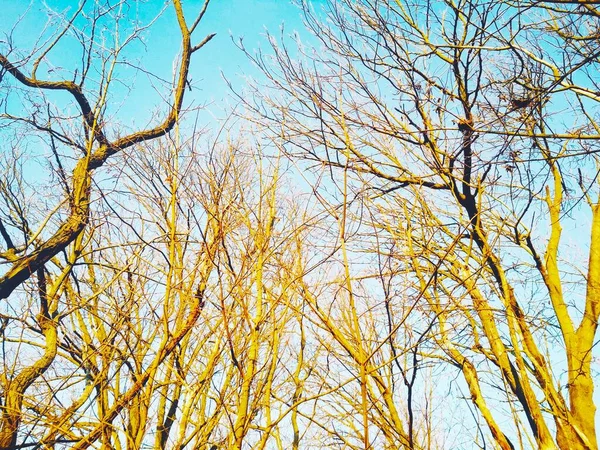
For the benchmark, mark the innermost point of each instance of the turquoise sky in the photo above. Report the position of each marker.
(134, 101)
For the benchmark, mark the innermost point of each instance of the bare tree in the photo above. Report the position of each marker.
(96, 146)
(470, 133)
(49, 240)
(435, 285)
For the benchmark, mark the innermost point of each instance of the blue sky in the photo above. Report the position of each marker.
(247, 19)
(136, 100)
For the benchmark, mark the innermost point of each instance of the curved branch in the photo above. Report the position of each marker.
(72, 227)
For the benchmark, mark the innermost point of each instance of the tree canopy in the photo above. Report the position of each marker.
(392, 241)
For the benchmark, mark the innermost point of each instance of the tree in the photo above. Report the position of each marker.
(97, 145)
(471, 134)
(47, 242)
(147, 298)
(422, 272)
